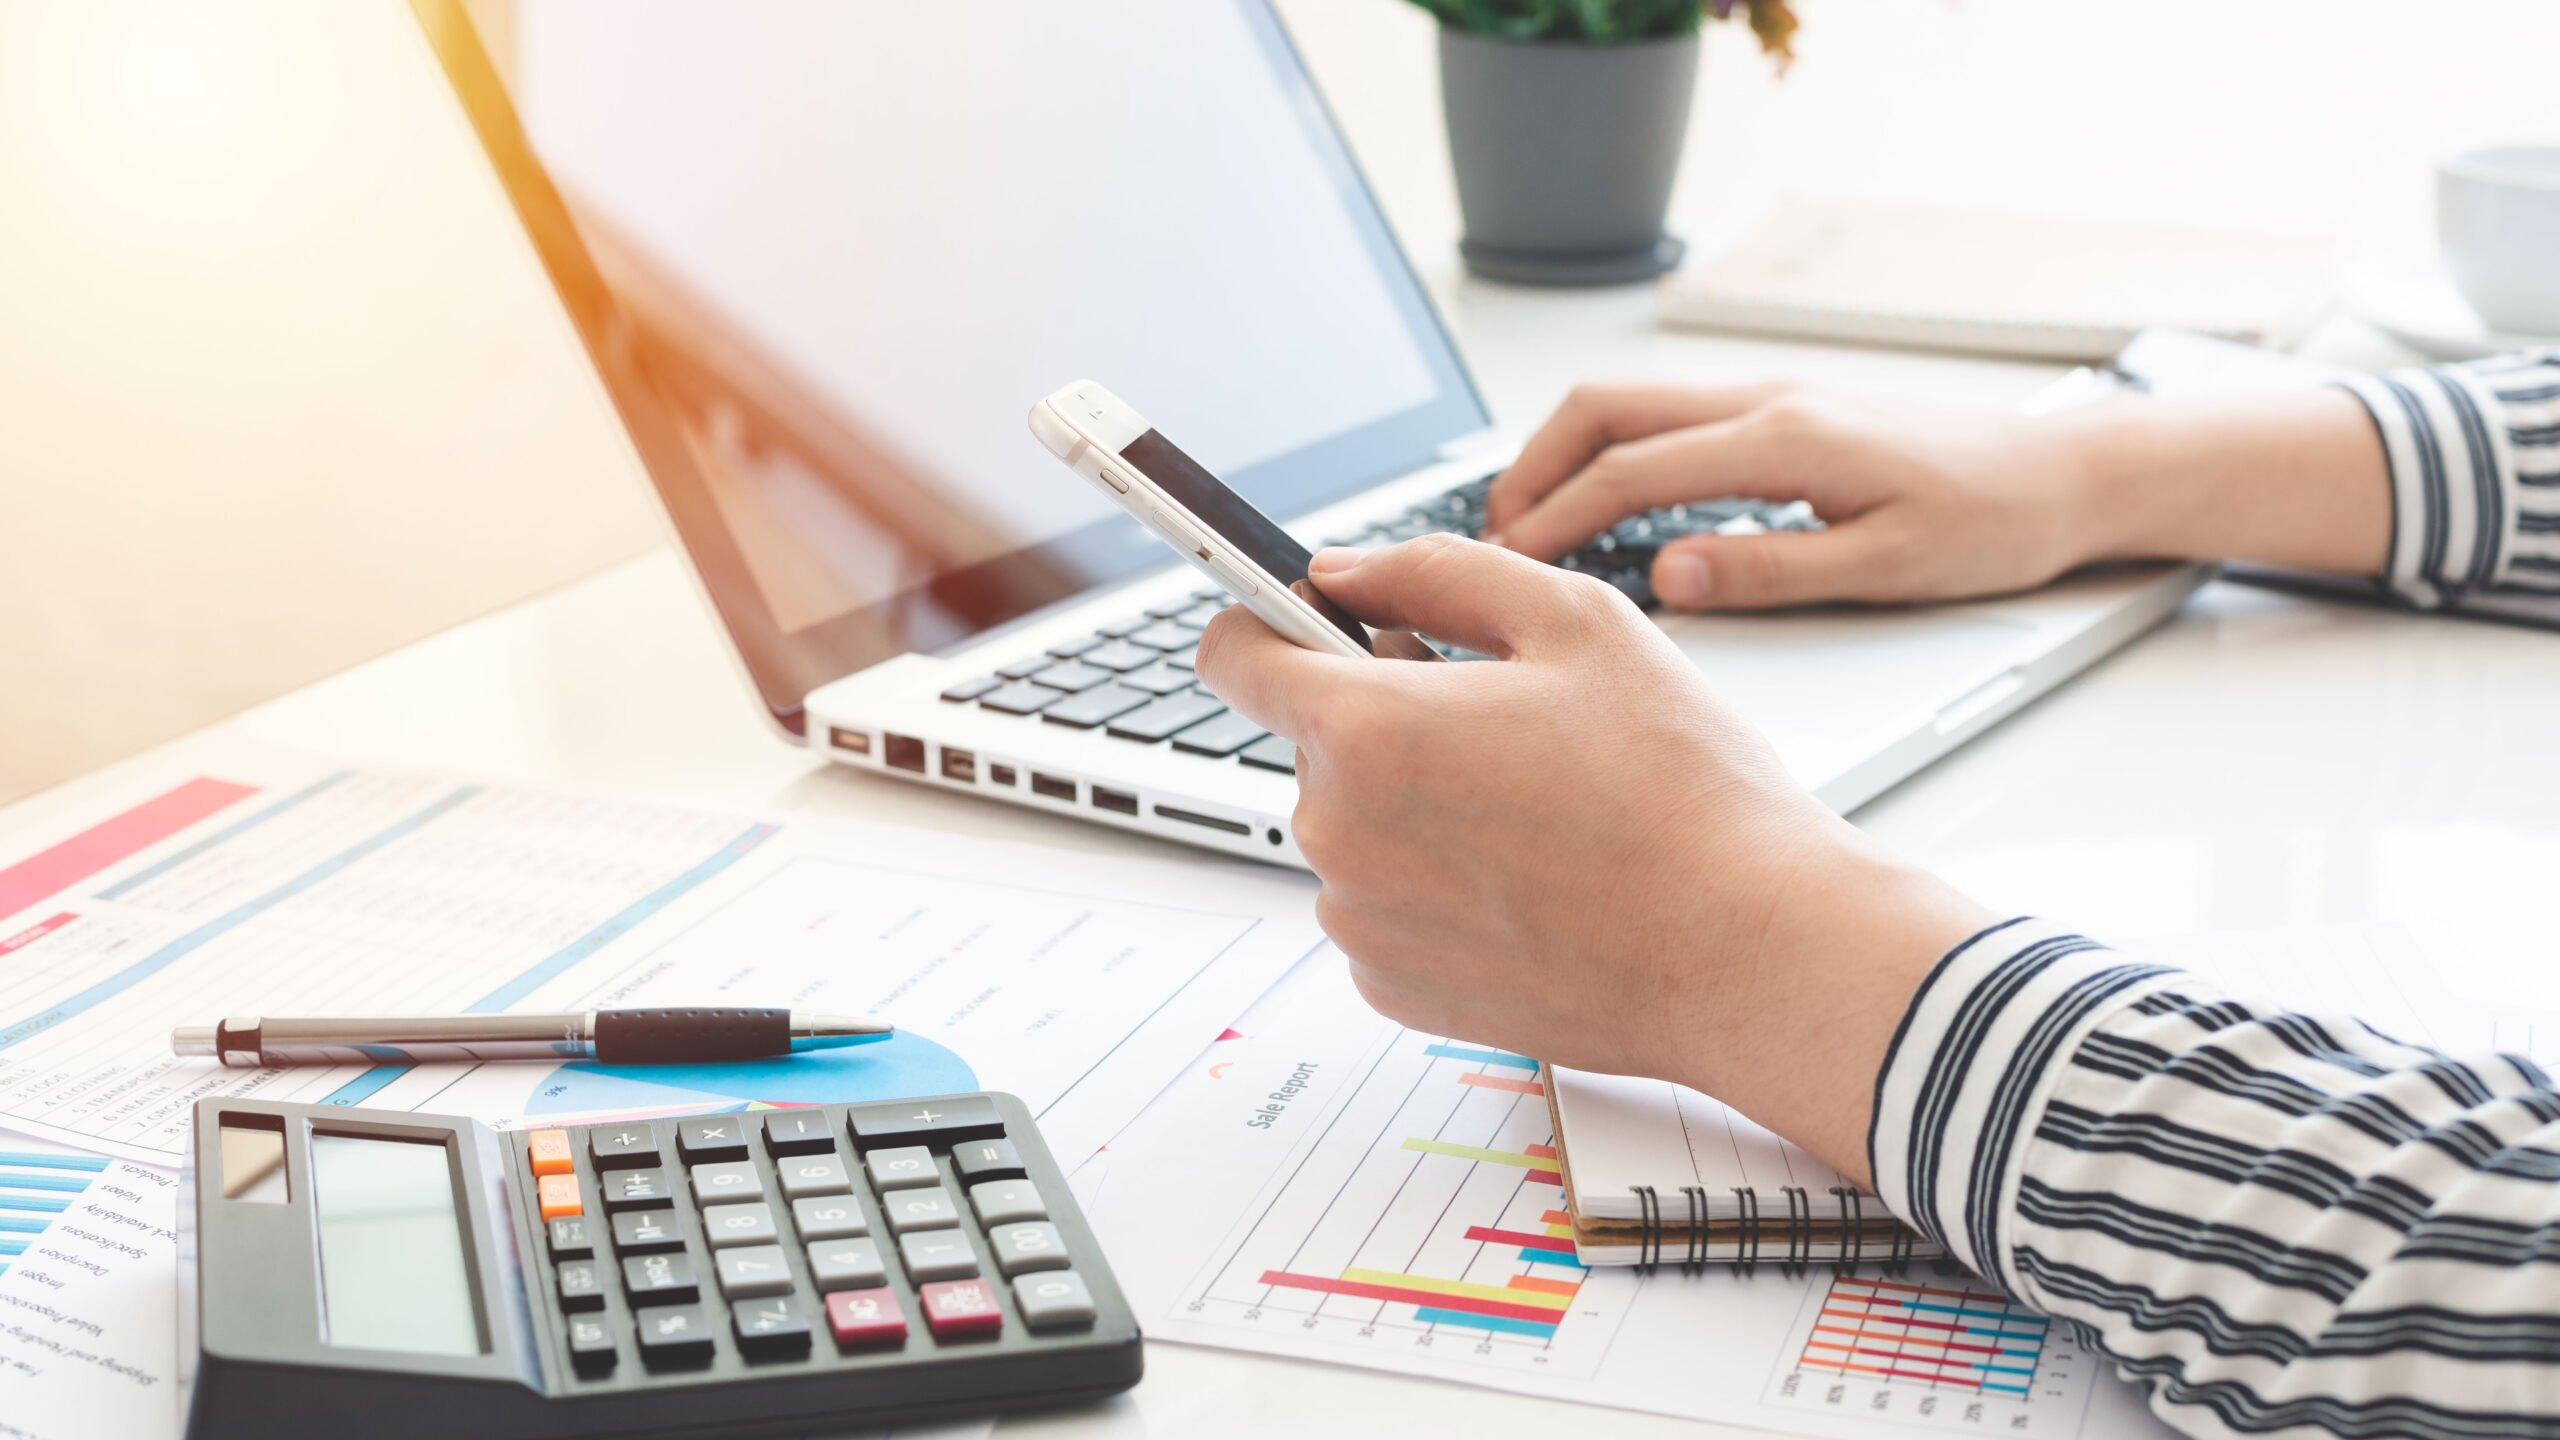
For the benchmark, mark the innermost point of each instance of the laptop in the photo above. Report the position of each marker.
(825, 256)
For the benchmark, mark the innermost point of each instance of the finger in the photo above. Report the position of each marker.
(1481, 596)
(1730, 457)
(1268, 680)
(1595, 417)
(1756, 572)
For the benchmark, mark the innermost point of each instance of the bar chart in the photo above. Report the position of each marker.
(1428, 1216)
(35, 1188)
(1929, 1349)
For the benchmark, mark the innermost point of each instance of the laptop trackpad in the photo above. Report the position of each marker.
(1839, 675)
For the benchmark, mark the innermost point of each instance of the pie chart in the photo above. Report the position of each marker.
(898, 1066)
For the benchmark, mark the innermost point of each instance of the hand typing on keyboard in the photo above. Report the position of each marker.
(1581, 853)
(1924, 504)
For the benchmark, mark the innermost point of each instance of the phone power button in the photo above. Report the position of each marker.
(1103, 474)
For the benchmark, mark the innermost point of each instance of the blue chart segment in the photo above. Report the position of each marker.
(895, 1067)
(1930, 1349)
(34, 1189)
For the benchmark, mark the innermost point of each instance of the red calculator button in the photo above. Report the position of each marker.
(550, 1151)
(865, 1317)
(559, 1196)
(961, 1307)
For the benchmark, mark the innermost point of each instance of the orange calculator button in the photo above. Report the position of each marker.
(550, 1152)
(559, 1195)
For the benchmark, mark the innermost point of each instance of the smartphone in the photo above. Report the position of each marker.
(1217, 530)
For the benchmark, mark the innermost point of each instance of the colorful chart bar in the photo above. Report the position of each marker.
(51, 871)
(1425, 1291)
(1501, 1082)
(1479, 1154)
(1481, 1057)
(1534, 1329)
(1963, 1338)
(1521, 1238)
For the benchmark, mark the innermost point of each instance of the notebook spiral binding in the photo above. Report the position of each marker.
(1750, 1230)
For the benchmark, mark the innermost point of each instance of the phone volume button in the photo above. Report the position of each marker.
(1103, 474)
(1234, 579)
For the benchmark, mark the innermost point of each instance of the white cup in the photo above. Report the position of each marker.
(2498, 219)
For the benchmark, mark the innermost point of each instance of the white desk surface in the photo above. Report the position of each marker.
(2258, 760)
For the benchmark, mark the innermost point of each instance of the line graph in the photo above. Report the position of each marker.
(1429, 1214)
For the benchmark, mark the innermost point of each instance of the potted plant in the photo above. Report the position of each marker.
(1565, 122)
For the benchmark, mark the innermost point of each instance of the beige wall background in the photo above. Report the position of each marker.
(282, 388)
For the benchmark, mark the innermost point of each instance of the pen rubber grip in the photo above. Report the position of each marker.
(625, 1037)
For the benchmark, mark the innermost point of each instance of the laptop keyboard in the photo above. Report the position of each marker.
(1132, 678)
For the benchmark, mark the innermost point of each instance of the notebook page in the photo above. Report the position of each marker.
(1623, 1131)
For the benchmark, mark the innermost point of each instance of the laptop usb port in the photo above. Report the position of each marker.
(960, 765)
(1194, 817)
(904, 752)
(1053, 787)
(1000, 775)
(1120, 800)
(857, 741)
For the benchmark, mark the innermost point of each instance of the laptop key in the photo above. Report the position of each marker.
(1072, 675)
(1125, 625)
(968, 690)
(1104, 702)
(1167, 609)
(1173, 712)
(1158, 679)
(1071, 648)
(1120, 655)
(1021, 698)
(1271, 753)
(1026, 667)
(1183, 658)
(1198, 616)
(1165, 635)
(1220, 737)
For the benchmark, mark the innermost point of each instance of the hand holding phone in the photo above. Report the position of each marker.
(1206, 522)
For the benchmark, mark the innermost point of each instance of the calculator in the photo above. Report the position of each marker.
(762, 1273)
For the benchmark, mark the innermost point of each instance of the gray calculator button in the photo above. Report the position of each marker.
(986, 1160)
(1050, 1299)
(771, 1327)
(1001, 1202)
(571, 1239)
(641, 1232)
(937, 1255)
(660, 1280)
(798, 1132)
(581, 1286)
(897, 1168)
(623, 1147)
(929, 1209)
(637, 1190)
(712, 1138)
(829, 1217)
(753, 1271)
(728, 1180)
(917, 1122)
(812, 1175)
(1027, 1247)
(591, 1347)
(730, 1225)
(674, 1335)
(846, 1265)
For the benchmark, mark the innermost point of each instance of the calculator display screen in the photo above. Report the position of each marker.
(392, 1272)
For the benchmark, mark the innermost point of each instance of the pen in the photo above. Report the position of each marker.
(673, 1035)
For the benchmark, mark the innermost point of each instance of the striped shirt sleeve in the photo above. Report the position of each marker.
(2474, 452)
(2278, 1223)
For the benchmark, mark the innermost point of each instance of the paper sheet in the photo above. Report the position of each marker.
(1077, 983)
(88, 1322)
(1330, 1186)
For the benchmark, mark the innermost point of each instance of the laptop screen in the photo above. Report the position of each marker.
(827, 255)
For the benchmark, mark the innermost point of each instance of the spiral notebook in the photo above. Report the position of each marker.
(1656, 1173)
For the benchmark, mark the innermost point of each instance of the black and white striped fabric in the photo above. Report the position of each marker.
(2281, 1223)
(2475, 475)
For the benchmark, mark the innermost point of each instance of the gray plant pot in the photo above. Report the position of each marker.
(1565, 153)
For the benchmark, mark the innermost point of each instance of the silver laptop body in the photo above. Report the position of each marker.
(825, 256)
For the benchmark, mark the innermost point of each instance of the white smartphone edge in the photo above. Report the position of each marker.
(1086, 426)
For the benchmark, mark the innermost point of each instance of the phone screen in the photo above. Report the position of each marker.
(1238, 523)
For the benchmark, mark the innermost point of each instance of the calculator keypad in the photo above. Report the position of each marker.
(827, 1236)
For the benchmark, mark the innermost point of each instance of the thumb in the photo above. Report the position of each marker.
(1481, 596)
(1754, 572)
